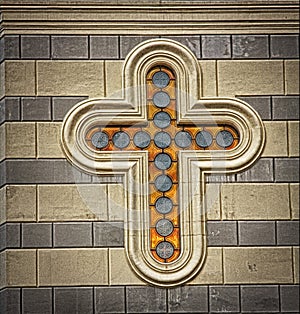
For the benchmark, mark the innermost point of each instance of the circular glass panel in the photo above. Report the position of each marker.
(165, 249)
(162, 139)
(204, 139)
(164, 227)
(161, 99)
(183, 139)
(224, 139)
(161, 79)
(141, 139)
(163, 205)
(162, 119)
(163, 161)
(121, 139)
(100, 139)
(163, 183)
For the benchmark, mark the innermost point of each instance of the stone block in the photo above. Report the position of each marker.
(284, 46)
(10, 301)
(296, 264)
(289, 298)
(286, 169)
(285, 107)
(109, 234)
(74, 78)
(61, 105)
(48, 140)
(213, 206)
(104, 47)
(113, 72)
(291, 77)
(250, 46)
(288, 233)
(224, 299)
(257, 77)
(257, 233)
(127, 43)
(293, 138)
(254, 265)
(35, 47)
(73, 300)
(294, 197)
(19, 78)
(209, 81)
(259, 299)
(78, 267)
(116, 202)
(221, 233)
(69, 47)
(10, 47)
(9, 109)
(10, 236)
(37, 300)
(72, 234)
(36, 108)
(36, 235)
(261, 104)
(276, 139)
(191, 42)
(216, 47)
(146, 300)
(109, 300)
(255, 201)
(188, 299)
(72, 202)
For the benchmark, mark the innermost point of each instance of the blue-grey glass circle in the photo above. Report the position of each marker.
(100, 139)
(224, 139)
(204, 139)
(162, 139)
(164, 227)
(161, 99)
(163, 161)
(162, 119)
(165, 249)
(183, 139)
(161, 79)
(141, 139)
(121, 139)
(163, 205)
(163, 183)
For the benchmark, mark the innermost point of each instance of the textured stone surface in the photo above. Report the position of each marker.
(250, 46)
(10, 301)
(61, 105)
(113, 72)
(287, 169)
(37, 300)
(221, 233)
(258, 265)
(116, 202)
(36, 235)
(69, 47)
(10, 47)
(289, 298)
(209, 75)
(285, 107)
(255, 201)
(9, 109)
(35, 47)
(261, 104)
(191, 42)
(284, 46)
(104, 47)
(110, 234)
(294, 196)
(10, 236)
(73, 300)
(224, 299)
(292, 77)
(36, 108)
(188, 299)
(213, 196)
(127, 43)
(288, 232)
(216, 47)
(296, 264)
(65, 267)
(293, 138)
(109, 300)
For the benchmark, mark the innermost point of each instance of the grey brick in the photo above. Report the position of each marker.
(73, 300)
(9, 47)
(288, 232)
(110, 300)
(10, 236)
(261, 171)
(61, 105)
(287, 169)
(220, 178)
(259, 299)
(109, 234)
(36, 235)
(289, 296)
(104, 47)
(10, 301)
(127, 43)
(40, 171)
(146, 300)
(36, 108)
(9, 109)
(35, 47)
(188, 299)
(224, 299)
(192, 42)
(72, 234)
(250, 46)
(284, 46)
(69, 47)
(221, 233)
(37, 300)
(286, 107)
(257, 233)
(216, 46)
(261, 104)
